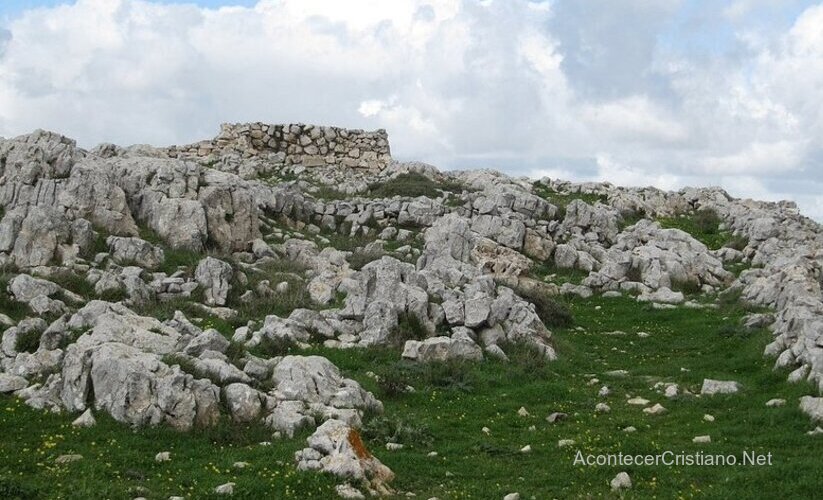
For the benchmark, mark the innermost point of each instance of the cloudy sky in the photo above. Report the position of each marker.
(638, 92)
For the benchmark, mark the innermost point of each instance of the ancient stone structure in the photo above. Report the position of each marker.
(296, 144)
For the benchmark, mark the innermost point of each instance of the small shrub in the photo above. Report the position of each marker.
(230, 433)
(412, 185)
(561, 200)
(449, 375)
(70, 337)
(392, 379)
(632, 218)
(383, 429)
(235, 352)
(527, 357)
(179, 258)
(634, 274)
(74, 282)
(738, 242)
(185, 364)
(409, 327)
(707, 221)
(27, 342)
(688, 287)
(10, 307)
(551, 312)
(98, 245)
(360, 258)
(274, 346)
(734, 331)
(325, 192)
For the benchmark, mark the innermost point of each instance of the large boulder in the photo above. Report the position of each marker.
(135, 251)
(457, 347)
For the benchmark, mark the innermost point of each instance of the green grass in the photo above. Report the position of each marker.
(450, 405)
(8, 306)
(174, 258)
(119, 463)
(557, 275)
(561, 200)
(704, 226)
(413, 185)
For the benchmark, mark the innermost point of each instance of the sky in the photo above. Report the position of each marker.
(669, 93)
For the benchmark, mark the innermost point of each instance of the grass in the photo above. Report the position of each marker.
(409, 327)
(413, 185)
(174, 258)
(452, 402)
(119, 463)
(704, 226)
(8, 306)
(552, 312)
(360, 258)
(562, 200)
(329, 193)
(557, 275)
(27, 342)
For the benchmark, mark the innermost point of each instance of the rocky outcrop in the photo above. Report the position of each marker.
(336, 448)
(436, 278)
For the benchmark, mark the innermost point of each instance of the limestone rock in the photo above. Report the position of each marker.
(711, 387)
(337, 449)
(214, 276)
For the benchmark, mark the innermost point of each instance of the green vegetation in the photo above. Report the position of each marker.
(412, 185)
(631, 219)
(704, 226)
(28, 341)
(276, 176)
(119, 463)
(549, 272)
(174, 258)
(281, 303)
(98, 244)
(409, 327)
(329, 193)
(561, 200)
(452, 402)
(8, 306)
(360, 258)
(550, 310)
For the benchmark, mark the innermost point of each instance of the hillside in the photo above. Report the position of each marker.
(286, 311)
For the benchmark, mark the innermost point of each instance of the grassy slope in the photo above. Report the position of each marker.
(471, 464)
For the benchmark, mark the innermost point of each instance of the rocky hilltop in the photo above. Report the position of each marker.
(163, 285)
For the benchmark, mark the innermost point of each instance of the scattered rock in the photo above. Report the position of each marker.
(348, 491)
(621, 482)
(224, 489)
(85, 420)
(67, 459)
(711, 387)
(657, 409)
(556, 417)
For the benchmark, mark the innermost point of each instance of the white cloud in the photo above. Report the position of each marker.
(525, 86)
